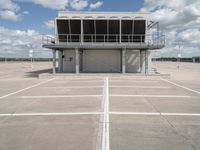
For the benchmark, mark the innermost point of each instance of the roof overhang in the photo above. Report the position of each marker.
(101, 15)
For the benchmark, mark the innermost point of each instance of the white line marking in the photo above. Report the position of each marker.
(158, 96)
(58, 96)
(136, 81)
(183, 87)
(108, 117)
(49, 114)
(73, 87)
(68, 81)
(106, 134)
(142, 87)
(131, 78)
(154, 114)
(27, 88)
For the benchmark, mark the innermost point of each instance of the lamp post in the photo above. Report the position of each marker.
(31, 54)
(5, 55)
(179, 43)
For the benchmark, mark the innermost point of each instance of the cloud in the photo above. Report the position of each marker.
(64, 4)
(10, 15)
(53, 4)
(50, 24)
(96, 5)
(79, 4)
(10, 11)
(16, 43)
(180, 20)
(8, 4)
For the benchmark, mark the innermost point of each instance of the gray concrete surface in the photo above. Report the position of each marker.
(131, 112)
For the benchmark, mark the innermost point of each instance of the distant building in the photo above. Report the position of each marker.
(196, 59)
(104, 42)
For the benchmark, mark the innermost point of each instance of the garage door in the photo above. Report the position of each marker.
(101, 61)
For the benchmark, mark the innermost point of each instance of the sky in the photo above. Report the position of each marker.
(23, 22)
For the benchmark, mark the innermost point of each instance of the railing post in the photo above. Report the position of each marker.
(120, 31)
(82, 38)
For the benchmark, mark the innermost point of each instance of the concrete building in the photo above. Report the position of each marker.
(104, 42)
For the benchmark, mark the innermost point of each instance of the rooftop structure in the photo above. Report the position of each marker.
(80, 34)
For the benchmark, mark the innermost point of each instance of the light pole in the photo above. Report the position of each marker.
(31, 54)
(179, 43)
(5, 55)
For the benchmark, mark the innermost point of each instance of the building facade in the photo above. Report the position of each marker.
(104, 42)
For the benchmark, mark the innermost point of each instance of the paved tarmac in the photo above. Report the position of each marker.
(99, 112)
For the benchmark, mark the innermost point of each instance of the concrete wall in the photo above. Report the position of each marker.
(132, 61)
(101, 61)
(105, 61)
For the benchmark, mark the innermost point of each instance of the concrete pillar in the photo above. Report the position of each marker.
(77, 60)
(54, 61)
(142, 61)
(149, 69)
(146, 62)
(60, 63)
(124, 60)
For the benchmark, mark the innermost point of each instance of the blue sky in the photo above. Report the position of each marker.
(22, 22)
(37, 14)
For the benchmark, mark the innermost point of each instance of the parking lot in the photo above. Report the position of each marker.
(98, 112)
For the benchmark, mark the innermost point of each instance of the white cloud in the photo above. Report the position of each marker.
(10, 11)
(96, 5)
(16, 42)
(190, 37)
(180, 19)
(79, 4)
(53, 4)
(64, 4)
(8, 4)
(50, 24)
(10, 15)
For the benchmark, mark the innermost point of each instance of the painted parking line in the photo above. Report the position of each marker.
(58, 96)
(116, 86)
(24, 89)
(50, 114)
(155, 114)
(72, 87)
(77, 81)
(142, 87)
(152, 96)
(106, 130)
(135, 81)
(111, 95)
(183, 87)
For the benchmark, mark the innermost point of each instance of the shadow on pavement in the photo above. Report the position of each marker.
(35, 74)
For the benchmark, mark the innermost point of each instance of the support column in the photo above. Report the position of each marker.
(60, 58)
(146, 62)
(54, 61)
(149, 69)
(77, 60)
(142, 61)
(124, 60)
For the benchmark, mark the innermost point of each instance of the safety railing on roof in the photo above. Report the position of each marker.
(150, 39)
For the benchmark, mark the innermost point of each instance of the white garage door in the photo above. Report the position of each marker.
(105, 61)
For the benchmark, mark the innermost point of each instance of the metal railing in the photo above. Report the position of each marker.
(150, 39)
